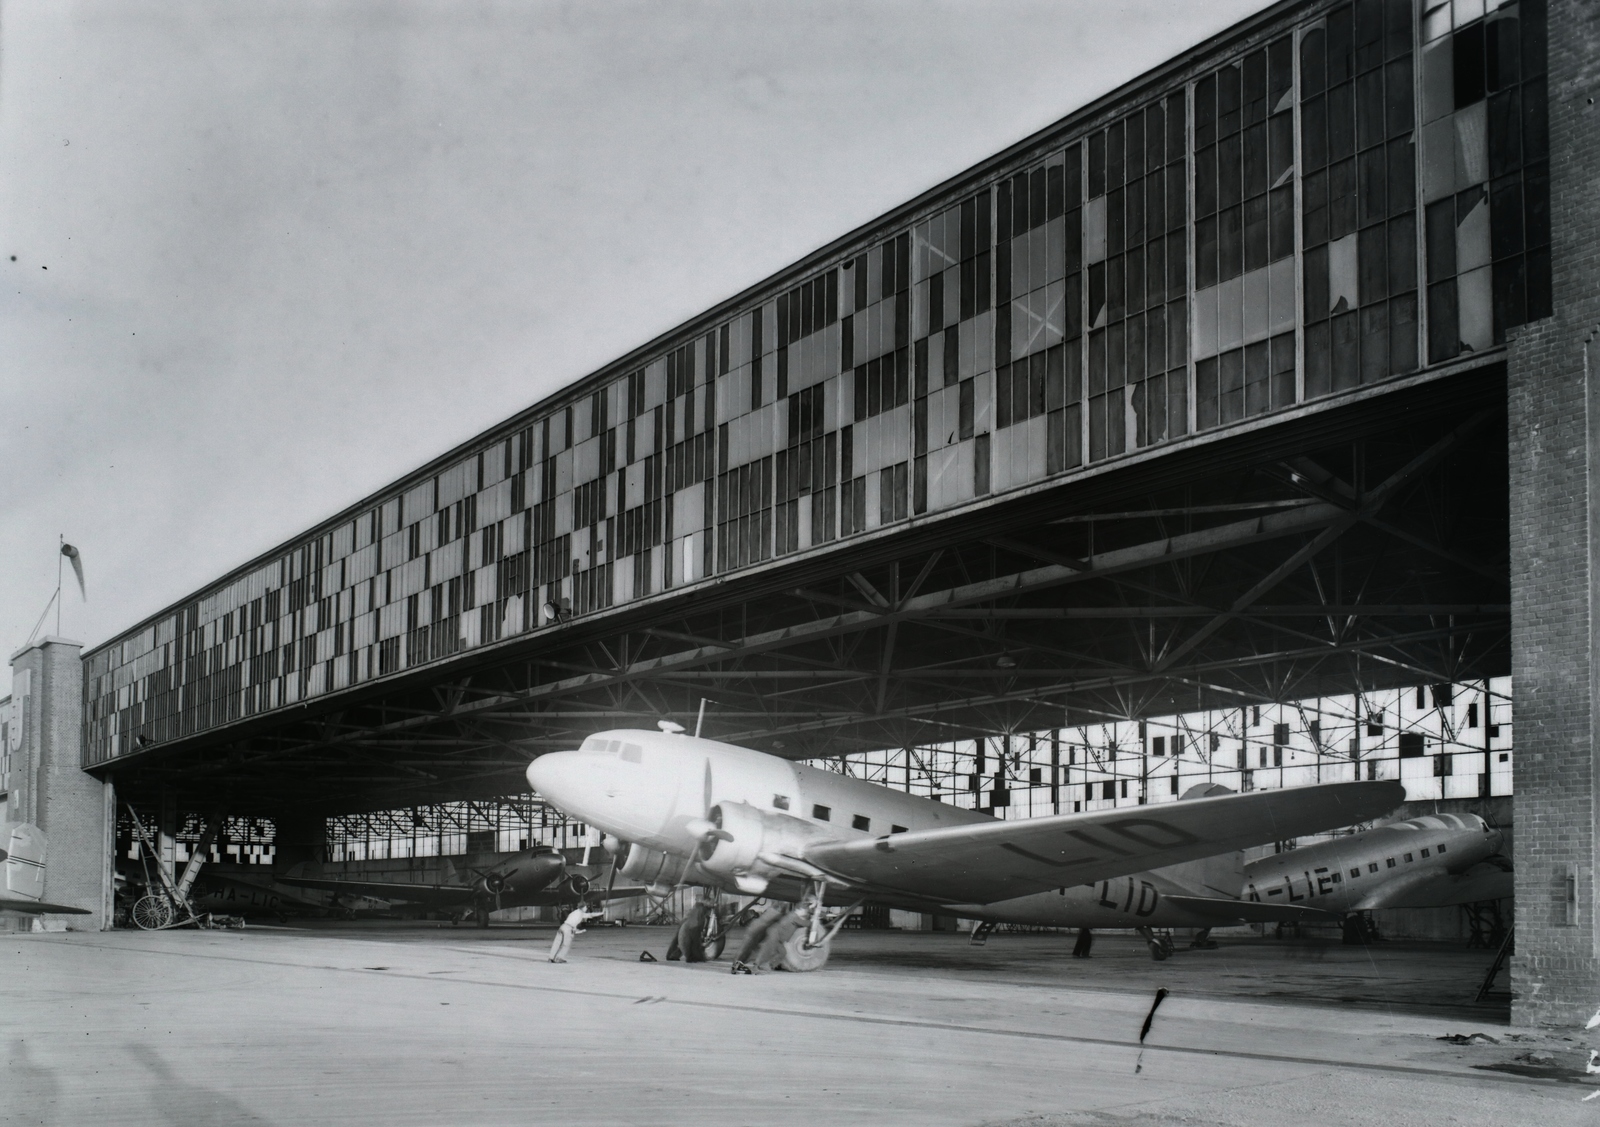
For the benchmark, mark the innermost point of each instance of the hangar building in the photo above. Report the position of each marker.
(1263, 377)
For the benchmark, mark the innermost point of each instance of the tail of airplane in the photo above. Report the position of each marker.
(22, 857)
(22, 872)
(1218, 876)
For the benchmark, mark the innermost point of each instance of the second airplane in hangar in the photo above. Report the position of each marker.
(532, 877)
(677, 809)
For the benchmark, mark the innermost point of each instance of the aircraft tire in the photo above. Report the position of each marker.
(798, 957)
(1158, 951)
(712, 938)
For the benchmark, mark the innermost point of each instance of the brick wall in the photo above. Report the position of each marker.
(1554, 419)
(72, 808)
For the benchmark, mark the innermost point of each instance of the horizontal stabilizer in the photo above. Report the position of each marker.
(983, 862)
(39, 908)
(1250, 911)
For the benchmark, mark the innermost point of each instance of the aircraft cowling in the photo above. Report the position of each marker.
(575, 887)
(750, 832)
(649, 865)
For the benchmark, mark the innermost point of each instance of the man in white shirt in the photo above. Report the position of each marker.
(570, 927)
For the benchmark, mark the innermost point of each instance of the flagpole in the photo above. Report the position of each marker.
(63, 539)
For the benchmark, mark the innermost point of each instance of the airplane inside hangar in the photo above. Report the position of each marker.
(1114, 508)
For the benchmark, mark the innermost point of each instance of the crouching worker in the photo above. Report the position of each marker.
(689, 943)
(779, 934)
(755, 935)
(570, 927)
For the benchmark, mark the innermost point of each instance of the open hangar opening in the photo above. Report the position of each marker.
(1333, 554)
(865, 506)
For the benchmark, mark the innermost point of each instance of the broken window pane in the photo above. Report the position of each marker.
(1444, 335)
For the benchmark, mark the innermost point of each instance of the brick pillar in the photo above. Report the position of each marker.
(1553, 373)
(49, 788)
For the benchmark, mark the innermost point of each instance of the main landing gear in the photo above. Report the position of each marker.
(700, 937)
(1161, 945)
(808, 948)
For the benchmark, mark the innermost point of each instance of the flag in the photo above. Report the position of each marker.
(77, 567)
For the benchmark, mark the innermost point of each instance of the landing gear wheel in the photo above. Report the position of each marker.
(152, 913)
(1158, 951)
(713, 938)
(796, 955)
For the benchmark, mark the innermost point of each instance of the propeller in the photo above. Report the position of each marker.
(708, 828)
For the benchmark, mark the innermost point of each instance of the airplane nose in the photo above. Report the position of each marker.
(554, 775)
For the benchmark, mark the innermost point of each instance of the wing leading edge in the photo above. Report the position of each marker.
(989, 861)
(442, 895)
(39, 908)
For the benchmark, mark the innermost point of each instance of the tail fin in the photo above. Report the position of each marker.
(1221, 875)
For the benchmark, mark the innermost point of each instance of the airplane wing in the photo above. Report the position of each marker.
(441, 895)
(1250, 911)
(1438, 890)
(989, 861)
(39, 907)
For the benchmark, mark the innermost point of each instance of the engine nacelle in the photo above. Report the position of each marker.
(748, 832)
(651, 866)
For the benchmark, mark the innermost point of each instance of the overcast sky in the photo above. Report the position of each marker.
(269, 257)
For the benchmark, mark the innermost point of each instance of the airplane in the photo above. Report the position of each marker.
(532, 877)
(1385, 867)
(22, 848)
(678, 809)
(1432, 861)
(239, 895)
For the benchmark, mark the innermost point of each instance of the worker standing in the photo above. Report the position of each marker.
(570, 927)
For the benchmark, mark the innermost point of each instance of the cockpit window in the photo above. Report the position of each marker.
(632, 753)
(599, 746)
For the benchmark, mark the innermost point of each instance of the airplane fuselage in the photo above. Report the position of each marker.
(662, 798)
(1360, 870)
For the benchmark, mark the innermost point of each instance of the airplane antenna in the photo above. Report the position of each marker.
(701, 719)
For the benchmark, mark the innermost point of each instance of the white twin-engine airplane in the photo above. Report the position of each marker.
(676, 809)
